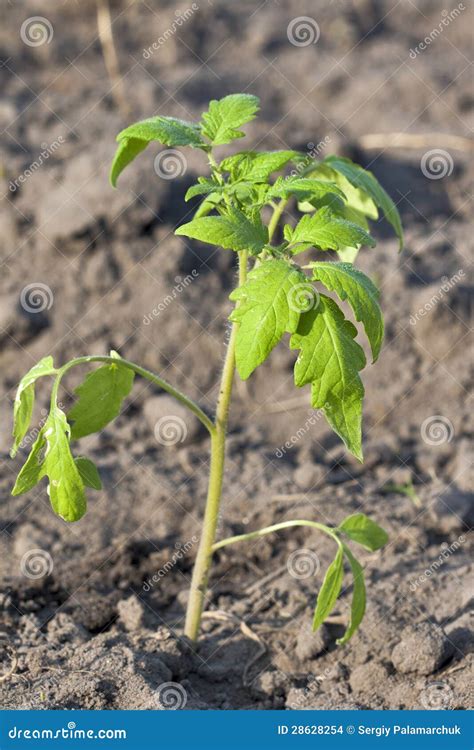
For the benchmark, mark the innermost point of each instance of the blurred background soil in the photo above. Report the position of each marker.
(85, 268)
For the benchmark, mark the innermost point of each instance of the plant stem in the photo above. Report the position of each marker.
(275, 527)
(189, 403)
(273, 223)
(202, 564)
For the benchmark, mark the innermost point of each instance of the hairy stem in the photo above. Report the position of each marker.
(189, 403)
(203, 561)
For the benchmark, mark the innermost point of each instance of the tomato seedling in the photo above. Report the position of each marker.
(275, 296)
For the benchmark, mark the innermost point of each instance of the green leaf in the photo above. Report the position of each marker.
(328, 231)
(303, 188)
(203, 187)
(170, 131)
(66, 488)
(267, 308)
(254, 166)
(100, 398)
(31, 471)
(330, 360)
(330, 590)
(89, 472)
(354, 286)
(25, 399)
(358, 597)
(234, 231)
(224, 116)
(356, 199)
(361, 529)
(365, 180)
(127, 150)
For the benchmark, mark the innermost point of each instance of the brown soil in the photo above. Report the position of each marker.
(98, 631)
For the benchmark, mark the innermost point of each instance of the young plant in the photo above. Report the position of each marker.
(275, 295)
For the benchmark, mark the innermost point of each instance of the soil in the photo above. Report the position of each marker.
(100, 626)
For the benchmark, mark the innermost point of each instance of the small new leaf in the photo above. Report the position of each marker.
(354, 286)
(256, 167)
(330, 360)
(268, 306)
(365, 180)
(224, 116)
(100, 398)
(234, 231)
(361, 529)
(328, 231)
(25, 399)
(89, 472)
(358, 597)
(330, 590)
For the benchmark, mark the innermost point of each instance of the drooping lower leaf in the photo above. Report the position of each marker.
(233, 231)
(127, 150)
(269, 304)
(361, 529)
(330, 590)
(326, 230)
(354, 286)
(170, 131)
(65, 488)
(89, 472)
(31, 471)
(330, 360)
(25, 399)
(100, 398)
(358, 597)
(365, 180)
